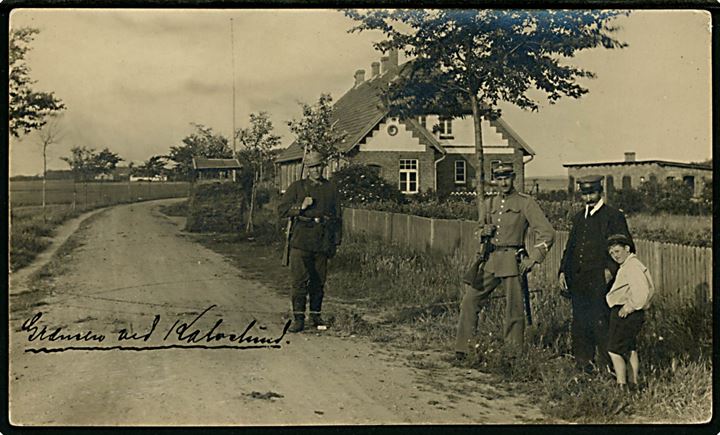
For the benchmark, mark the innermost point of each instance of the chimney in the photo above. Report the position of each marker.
(375, 69)
(393, 57)
(385, 64)
(630, 156)
(359, 76)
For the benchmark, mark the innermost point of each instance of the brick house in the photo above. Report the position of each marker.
(631, 173)
(416, 154)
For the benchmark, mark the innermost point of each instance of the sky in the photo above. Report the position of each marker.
(135, 80)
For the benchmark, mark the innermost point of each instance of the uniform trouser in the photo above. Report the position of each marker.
(474, 299)
(591, 314)
(308, 271)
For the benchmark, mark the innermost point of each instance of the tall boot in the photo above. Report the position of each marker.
(316, 320)
(298, 307)
(298, 323)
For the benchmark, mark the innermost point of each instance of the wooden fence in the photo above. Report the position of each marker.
(683, 272)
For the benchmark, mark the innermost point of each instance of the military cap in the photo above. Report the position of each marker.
(618, 239)
(591, 183)
(313, 158)
(503, 170)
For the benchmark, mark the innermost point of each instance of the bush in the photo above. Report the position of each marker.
(216, 207)
(362, 184)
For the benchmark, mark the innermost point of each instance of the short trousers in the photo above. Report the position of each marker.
(622, 333)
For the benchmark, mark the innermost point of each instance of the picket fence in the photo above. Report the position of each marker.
(679, 271)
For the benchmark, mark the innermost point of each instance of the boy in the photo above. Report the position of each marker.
(628, 299)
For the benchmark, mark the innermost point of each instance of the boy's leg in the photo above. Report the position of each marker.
(619, 366)
(634, 367)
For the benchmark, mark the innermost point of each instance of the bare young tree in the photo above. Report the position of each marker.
(49, 134)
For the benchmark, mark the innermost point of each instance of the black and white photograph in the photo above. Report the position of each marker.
(322, 217)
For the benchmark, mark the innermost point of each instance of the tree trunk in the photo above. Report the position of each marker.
(249, 226)
(480, 169)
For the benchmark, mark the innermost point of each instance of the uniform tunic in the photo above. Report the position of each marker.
(317, 231)
(512, 214)
(584, 262)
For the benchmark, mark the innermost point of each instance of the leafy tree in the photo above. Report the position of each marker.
(86, 163)
(28, 109)
(316, 131)
(152, 167)
(471, 60)
(201, 143)
(257, 141)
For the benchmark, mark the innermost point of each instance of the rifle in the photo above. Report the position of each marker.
(473, 276)
(522, 253)
(290, 220)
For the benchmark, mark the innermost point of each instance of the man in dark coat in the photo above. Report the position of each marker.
(586, 271)
(511, 215)
(317, 230)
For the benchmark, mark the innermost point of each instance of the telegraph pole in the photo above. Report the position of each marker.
(232, 49)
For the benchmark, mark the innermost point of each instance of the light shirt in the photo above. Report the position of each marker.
(633, 285)
(594, 209)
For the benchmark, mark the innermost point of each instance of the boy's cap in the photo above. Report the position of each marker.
(618, 239)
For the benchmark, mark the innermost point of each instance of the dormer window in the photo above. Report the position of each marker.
(445, 128)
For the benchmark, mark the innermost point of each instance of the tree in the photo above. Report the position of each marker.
(202, 143)
(49, 134)
(316, 130)
(471, 60)
(86, 164)
(28, 109)
(152, 167)
(257, 141)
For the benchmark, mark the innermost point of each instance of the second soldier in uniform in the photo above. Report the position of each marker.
(317, 230)
(511, 214)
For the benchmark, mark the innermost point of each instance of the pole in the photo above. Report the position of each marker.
(232, 56)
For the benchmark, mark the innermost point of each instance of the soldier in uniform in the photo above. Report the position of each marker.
(317, 230)
(511, 214)
(586, 271)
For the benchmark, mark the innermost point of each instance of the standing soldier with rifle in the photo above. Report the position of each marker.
(501, 260)
(316, 230)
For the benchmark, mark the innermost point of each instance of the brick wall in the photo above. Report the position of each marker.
(446, 170)
(638, 173)
(389, 162)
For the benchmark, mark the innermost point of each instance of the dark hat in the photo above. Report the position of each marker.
(503, 171)
(313, 158)
(618, 239)
(591, 183)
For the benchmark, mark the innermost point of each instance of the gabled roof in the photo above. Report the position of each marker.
(663, 163)
(205, 163)
(361, 108)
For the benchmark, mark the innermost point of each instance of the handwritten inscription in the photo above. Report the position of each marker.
(182, 334)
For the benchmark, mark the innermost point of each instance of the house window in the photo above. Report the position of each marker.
(408, 176)
(460, 172)
(626, 182)
(445, 128)
(423, 121)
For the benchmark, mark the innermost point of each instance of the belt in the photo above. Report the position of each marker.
(317, 220)
(505, 247)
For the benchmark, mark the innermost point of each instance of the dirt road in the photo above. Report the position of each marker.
(132, 264)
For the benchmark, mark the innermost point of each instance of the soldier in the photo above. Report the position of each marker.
(586, 271)
(511, 213)
(317, 230)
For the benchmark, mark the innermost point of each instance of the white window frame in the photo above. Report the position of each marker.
(423, 120)
(460, 164)
(445, 128)
(408, 167)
